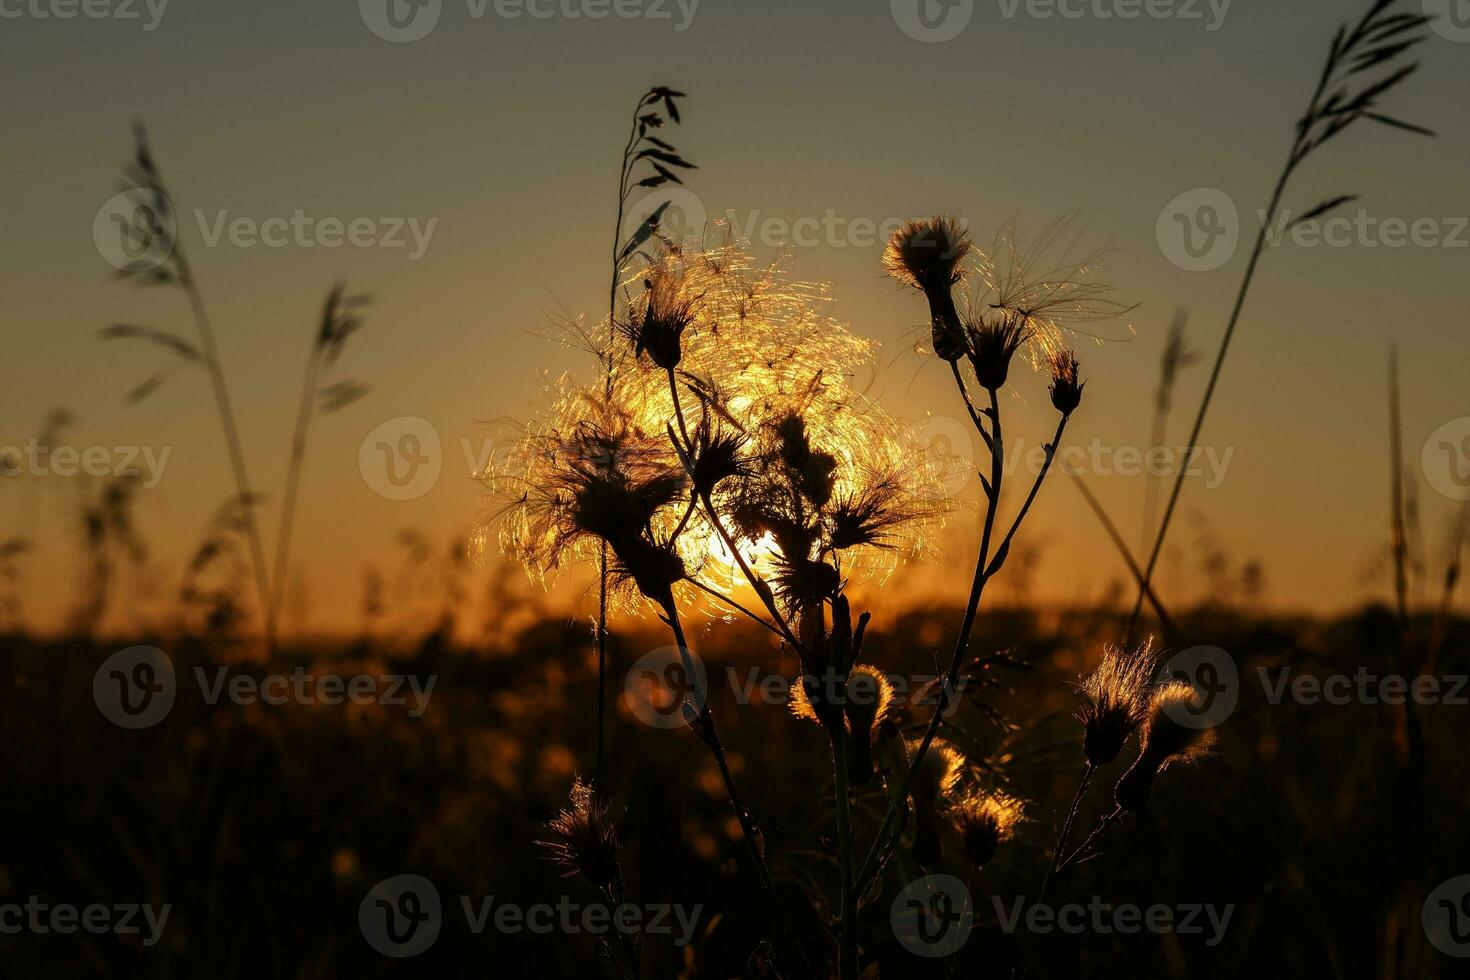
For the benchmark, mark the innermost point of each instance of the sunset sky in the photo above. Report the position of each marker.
(497, 138)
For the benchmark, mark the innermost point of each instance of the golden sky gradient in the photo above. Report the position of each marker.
(814, 126)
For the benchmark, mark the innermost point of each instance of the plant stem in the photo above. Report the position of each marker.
(1092, 838)
(1056, 854)
(1165, 622)
(227, 422)
(717, 594)
(288, 502)
(710, 736)
(871, 863)
(607, 359)
(847, 961)
(686, 449)
(1199, 419)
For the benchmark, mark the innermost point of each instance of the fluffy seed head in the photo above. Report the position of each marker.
(939, 772)
(984, 822)
(929, 255)
(657, 329)
(1164, 738)
(994, 341)
(1165, 742)
(1116, 698)
(589, 838)
(927, 252)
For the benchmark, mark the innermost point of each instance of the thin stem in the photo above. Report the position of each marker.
(293, 483)
(686, 449)
(1005, 545)
(848, 965)
(1165, 622)
(607, 360)
(871, 863)
(601, 663)
(227, 422)
(1199, 419)
(1102, 828)
(717, 594)
(1056, 854)
(710, 736)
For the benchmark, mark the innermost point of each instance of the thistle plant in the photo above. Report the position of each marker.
(727, 452)
(1028, 301)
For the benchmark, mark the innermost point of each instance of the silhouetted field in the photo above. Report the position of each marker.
(264, 827)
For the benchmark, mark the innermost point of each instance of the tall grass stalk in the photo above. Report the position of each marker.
(1379, 39)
